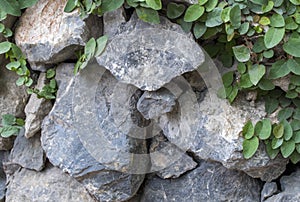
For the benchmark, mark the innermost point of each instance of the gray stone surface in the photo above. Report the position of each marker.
(209, 182)
(81, 134)
(112, 21)
(28, 153)
(64, 74)
(3, 158)
(12, 98)
(160, 162)
(51, 185)
(269, 189)
(46, 34)
(146, 56)
(290, 189)
(154, 104)
(36, 110)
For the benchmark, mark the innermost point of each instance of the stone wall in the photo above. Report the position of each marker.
(141, 122)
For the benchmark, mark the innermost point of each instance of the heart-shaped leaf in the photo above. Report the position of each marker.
(250, 147)
(175, 10)
(241, 52)
(193, 12)
(273, 37)
(256, 73)
(248, 130)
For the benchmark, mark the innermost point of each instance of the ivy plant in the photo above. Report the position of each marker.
(10, 125)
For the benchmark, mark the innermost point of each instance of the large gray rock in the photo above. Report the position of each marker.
(50, 185)
(210, 128)
(28, 153)
(112, 21)
(46, 34)
(269, 189)
(85, 134)
(209, 182)
(290, 189)
(64, 74)
(146, 56)
(36, 110)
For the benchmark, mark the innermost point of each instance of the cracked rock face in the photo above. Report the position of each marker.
(146, 56)
(46, 34)
(96, 157)
(290, 186)
(49, 185)
(208, 182)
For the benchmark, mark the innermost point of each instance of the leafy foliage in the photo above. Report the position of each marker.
(10, 125)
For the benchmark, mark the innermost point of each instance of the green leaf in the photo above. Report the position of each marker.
(244, 28)
(273, 37)
(148, 15)
(199, 29)
(2, 27)
(285, 113)
(52, 83)
(175, 10)
(292, 47)
(288, 131)
(109, 5)
(241, 68)
(13, 65)
(256, 73)
(250, 147)
(271, 105)
(295, 124)
(245, 81)
(21, 81)
(210, 5)
(268, 53)
(277, 20)
(266, 84)
(278, 130)
(227, 78)
(248, 130)
(70, 6)
(89, 49)
(296, 137)
(225, 15)
(259, 45)
(260, 2)
(154, 4)
(235, 16)
(294, 66)
(193, 12)
(241, 52)
(264, 129)
(8, 119)
(27, 3)
(270, 151)
(5, 47)
(291, 94)
(298, 148)
(214, 18)
(279, 69)
(287, 148)
(295, 2)
(101, 44)
(264, 21)
(276, 143)
(11, 7)
(290, 24)
(50, 73)
(233, 94)
(8, 131)
(295, 157)
(20, 122)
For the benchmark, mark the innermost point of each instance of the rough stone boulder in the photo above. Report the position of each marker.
(46, 34)
(210, 128)
(85, 134)
(208, 182)
(146, 56)
(50, 185)
(290, 189)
